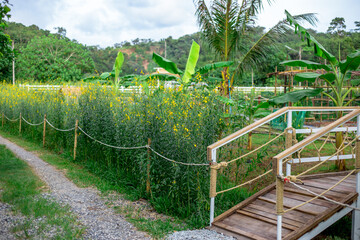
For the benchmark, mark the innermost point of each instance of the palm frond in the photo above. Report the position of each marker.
(257, 54)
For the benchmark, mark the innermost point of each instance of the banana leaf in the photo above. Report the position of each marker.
(351, 63)
(118, 64)
(295, 96)
(191, 62)
(212, 66)
(355, 82)
(305, 63)
(166, 64)
(307, 76)
(319, 50)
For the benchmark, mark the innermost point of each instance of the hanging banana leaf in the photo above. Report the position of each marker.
(305, 63)
(351, 63)
(166, 64)
(295, 96)
(212, 66)
(191, 62)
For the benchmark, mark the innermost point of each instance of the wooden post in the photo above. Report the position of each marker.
(148, 189)
(44, 130)
(75, 140)
(20, 124)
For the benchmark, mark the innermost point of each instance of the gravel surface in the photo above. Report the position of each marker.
(7, 221)
(198, 235)
(101, 222)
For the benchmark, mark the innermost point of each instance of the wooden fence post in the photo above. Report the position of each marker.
(75, 140)
(44, 130)
(148, 189)
(20, 124)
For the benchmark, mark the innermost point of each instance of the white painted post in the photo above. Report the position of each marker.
(212, 200)
(278, 227)
(279, 216)
(355, 231)
(289, 125)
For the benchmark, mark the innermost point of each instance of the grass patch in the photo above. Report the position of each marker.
(22, 189)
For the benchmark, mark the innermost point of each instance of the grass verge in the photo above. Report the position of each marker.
(44, 218)
(156, 227)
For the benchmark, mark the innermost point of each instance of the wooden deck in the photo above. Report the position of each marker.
(255, 218)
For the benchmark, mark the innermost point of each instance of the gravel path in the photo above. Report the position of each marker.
(8, 220)
(100, 221)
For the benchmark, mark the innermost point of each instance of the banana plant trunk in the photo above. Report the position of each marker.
(340, 164)
(249, 141)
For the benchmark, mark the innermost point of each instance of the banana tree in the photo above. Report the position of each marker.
(336, 73)
(116, 71)
(184, 77)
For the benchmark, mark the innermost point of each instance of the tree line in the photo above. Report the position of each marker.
(53, 57)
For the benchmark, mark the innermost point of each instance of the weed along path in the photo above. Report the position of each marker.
(100, 221)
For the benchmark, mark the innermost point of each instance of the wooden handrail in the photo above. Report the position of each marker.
(316, 135)
(247, 129)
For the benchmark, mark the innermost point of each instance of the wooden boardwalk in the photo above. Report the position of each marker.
(255, 218)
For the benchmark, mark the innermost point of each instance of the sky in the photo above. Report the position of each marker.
(106, 22)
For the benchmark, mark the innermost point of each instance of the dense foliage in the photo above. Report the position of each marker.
(180, 125)
(50, 58)
(6, 51)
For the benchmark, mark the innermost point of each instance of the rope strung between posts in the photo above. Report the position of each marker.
(108, 145)
(32, 124)
(11, 120)
(245, 183)
(61, 130)
(171, 160)
(339, 150)
(256, 149)
(321, 195)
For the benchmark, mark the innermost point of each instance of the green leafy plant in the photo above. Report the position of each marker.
(184, 77)
(337, 73)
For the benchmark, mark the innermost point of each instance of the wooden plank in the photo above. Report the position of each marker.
(263, 229)
(330, 194)
(312, 224)
(300, 197)
(272, 216)
(229, 233)
(265, 219)
(293, 202)
(293, 215)
(350, 182)
(301, 209)
(244, 203)
(343, 185)
(238, 231)
(321, 175)
(326, 186)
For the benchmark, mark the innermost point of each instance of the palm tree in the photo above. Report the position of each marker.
(225, 25)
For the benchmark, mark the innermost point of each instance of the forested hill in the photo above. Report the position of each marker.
(138, 52)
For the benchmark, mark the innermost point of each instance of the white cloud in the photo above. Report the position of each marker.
(105, 22)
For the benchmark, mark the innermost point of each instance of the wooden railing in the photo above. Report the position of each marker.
(278, 160)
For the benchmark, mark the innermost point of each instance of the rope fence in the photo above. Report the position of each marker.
(100, 142)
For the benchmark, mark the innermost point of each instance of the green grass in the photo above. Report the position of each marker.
(22, 189)
(82, 177)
